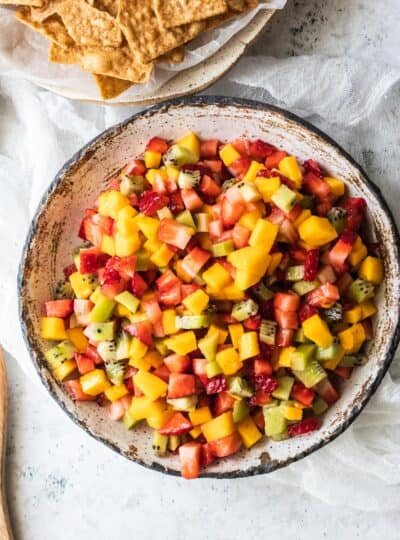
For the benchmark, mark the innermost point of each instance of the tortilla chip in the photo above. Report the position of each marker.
(172, 13)
(241, 5)
(176, 56)
(109, 6)
(36, 3)
(52, 28)
(110, 87)
(245, 5)
(48, 8)
(117, 63)
(88, 26)
(146, 38)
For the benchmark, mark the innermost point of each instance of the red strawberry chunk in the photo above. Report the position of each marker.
(68, 270)
(174, 233)
(342, 249)
(142, 330)
(177, 364)
(84, 363)
(74, 389)
(324, 296)
(190, 455)
(194, 261)
(304, 426)
(302, 394)
(226, 446)
(91, 259)
(317, 186)
(260, 398)
(138, 285)
(216, 384)
(181, 385)
(286, 319)
(274, 159)
(240, 167)
(175, 202)
(265, 383)
(59, 308)
(355, 208)
(311, 265)
(252, 323)
(286, 301)
(260, 150)
(171, 296)
(166, 280)
(156, 144)
(135, 167)
(207, 454)
(306, 312)
(151, 201)
(209, 148)
(209, 187)
(178, 424)
(311, 166)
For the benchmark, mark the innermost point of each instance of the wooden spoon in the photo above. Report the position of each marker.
(5, 527)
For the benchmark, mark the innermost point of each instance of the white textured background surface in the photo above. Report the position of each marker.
(63, 485)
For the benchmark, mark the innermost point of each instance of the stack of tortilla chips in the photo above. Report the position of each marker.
(119, 41)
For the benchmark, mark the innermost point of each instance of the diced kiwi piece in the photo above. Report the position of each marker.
(228, 184)
(272, 403)
(284, 198)
(221, 249)
(202, 221)
(280, 437)
(178, 155)
(324, 354)
(319, 405)
(284, 388)
(244, 309)
(186, 218)
(208, 346)
(165, 213)
(360, 291)
(115, 370)
(128, 300)
(187, 403)
(107, 350)
(303, 287)
(334, 313)
(174, 442)
(275, 422)
(267, 332)
(262, 292)
(102, 310)
(123, 345)
(299, 359)
(249, 192)
(336, 216)
(240, 410)
(59, 354)
(131, 184)
(240, 387)
(142, 260)
(189, 179)
(299, 337)
(159, 444)
(192, 322)
(100, 331)
(312, 375)
(161, 346)
(63, 290)
(295, 273)
(351, 360)
(307, 202)
(128, 420)
(213, 369)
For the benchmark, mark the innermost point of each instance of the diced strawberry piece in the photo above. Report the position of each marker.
(105, 223)
(302, 394)
(215, 165)
(199, 367)
(152, 309)
(68, 270)
(171, 296)
(284, 337)
(84, 363)
(260, 398)
(216, 384)
(74, 389)
(142, 330)
(115, 183)
(343, 372)
(190, 455)
(167, 280)
(174, 233)
(231, 212)
(181, 385)
(272, 161)
(59, 308)
(317, 186)
(258, 418)
(177, 364)
(262, 367)
(326, 274)
(91, 259)
(239, 167)
(311, 166)
(222, 402)
(209, 148)
(306, 312)
(92, 353)
(311, 265)
(138, 285)
(189, 288)
(288, 231)
(177, 424)
(294, 212)
(342, 249)
(286, 319)
(151, 201)
(355, 208)
(207, 454)
(156, 144)
(175, 202)
(322, 208)
(264, 382)
(344, 282)
(298, 255)
(111, 290)
(135, 167)
(91, 232)
(194, 261)
(191, 199)
(215, 228)
(260, 150)
(82, 308)
(209, 187)
(252, 323)
(241, 145)
(226, 446)
(240, 236)
(162, 372)
(368, 329)
(276, 216)
(286, 301)
(159, 185)
(304, 426)
(125, 266)
(324, 296)
(327, 391)
(117, 409)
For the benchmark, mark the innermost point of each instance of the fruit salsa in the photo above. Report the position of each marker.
(222, 294)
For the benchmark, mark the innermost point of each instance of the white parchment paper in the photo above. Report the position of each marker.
(23, 54)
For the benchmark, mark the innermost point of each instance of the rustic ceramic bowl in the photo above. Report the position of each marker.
(52, 237)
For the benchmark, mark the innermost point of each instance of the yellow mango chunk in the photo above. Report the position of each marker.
(255, 167)
(190, 142)
(217, 277)
(317, 330)
(336, 185)
(152, 159)
(64, 370)
(371, 269)
(168, 321)
(267, 187)
(219, 427)
(317, 231)
(95, 382)
(53, 328)
(116, 392)
(248, 345)
(289, 167)
(200, 416)
(235, 331)
(229, 361)
(196, 302)
(111, 202)
(78, 338)
(264, 234)
(152, 386)
(229, 154)
(249, 432)
(183, 343)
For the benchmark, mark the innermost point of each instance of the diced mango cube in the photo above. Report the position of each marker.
(290, 412)
(371, 269)
(200, 416)
(274, 262)
(222, 333)
(249, 219)
(353, 315)
(196, 302)
(127, 226)
(249, 432)
(152, 386)
(137, 348)
(267, 187)
(64, 370)
(162, 256)
(255, 167)
(232, 292)
(142, 407)
(111, 202)
(304, 214)
(53, 328)
(116, 392)
(229, 154)
(195, 432)
(285, 355)
(219, 427)
(317, 231)
(336, 185)
(317, 330)
(235, 331)
(368, 309)
(190, 142)
(78, 338)
(152, 159)
(352, 338)
(216, 276)
(81, 285)
(289, 167)
(95, 382)
(229, 361)
(248, 345)
(183, 343)
(168, 321)
(126, 212)
(148, 226)
(108, 245)
(264, 233)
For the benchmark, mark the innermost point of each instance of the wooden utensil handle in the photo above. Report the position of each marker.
(5, 527)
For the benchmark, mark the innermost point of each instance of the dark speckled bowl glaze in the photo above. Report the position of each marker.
(52, 237)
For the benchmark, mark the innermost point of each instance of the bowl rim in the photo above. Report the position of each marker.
(204, 101)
